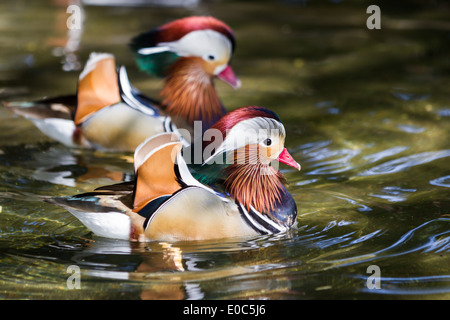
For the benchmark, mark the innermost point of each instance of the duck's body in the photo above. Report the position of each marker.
(107, 113)
(111, 115)
(167, 201)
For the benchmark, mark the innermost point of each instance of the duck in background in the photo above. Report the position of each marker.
(109, 114)
(236, 191)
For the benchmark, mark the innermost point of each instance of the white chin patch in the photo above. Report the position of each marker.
(219, 69)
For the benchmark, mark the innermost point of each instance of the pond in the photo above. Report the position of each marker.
(367, 115)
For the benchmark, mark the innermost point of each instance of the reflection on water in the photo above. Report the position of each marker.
(394, 194)
(367, 116)
(404, 163)
(442, 181)
(385, 153)
(415, 240)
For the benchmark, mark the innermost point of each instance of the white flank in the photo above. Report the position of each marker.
(60, 130)
(114, 225)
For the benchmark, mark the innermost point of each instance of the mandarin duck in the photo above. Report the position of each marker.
(171, 199)
(109, 114)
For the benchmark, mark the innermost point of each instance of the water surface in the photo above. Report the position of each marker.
(367, 114)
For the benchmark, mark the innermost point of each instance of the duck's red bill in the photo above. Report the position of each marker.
(228, 76)
(286, 158)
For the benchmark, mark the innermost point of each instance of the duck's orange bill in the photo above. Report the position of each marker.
(228, 76)
(286, 158)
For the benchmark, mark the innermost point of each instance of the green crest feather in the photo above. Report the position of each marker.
(156, 64)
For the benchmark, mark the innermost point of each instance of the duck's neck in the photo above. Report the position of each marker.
(189, 93)
(255, 185)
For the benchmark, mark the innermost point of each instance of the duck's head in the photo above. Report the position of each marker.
(249, 135)
(252, 145)
(206, 41)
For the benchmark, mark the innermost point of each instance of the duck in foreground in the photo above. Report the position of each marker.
(109, 114)
(236, 191)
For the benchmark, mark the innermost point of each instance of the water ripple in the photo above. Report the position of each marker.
(394, 194)
(408, 285)
(385, 153)
(441, 182)
(325, 159)
(405, 163)
(336, 160)
(408, 96)
(415, 240)
(362, 207)
(410, 128)
(445, 112)
(366, 237)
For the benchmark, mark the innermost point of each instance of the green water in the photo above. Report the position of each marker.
(367, 114)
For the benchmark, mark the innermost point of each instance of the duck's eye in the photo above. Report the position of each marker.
(211, 57)
(268, 142)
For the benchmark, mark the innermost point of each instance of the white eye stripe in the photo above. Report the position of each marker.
(153, 50)
(201, 43)
(251, 131)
